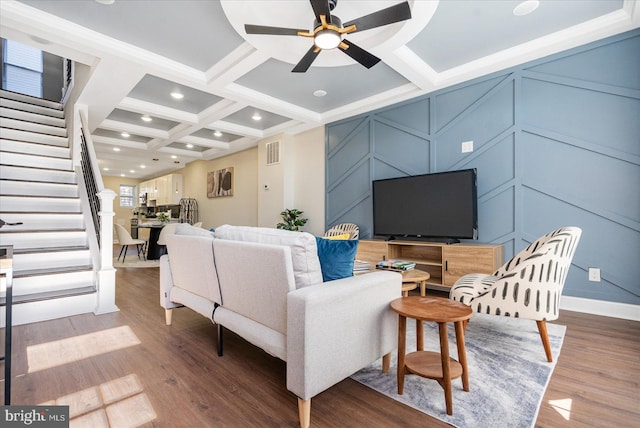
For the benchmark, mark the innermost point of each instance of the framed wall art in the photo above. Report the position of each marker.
(220, 183)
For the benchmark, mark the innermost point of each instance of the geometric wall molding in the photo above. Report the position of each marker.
(556, 143)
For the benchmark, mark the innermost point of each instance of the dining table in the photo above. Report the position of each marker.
(154, 250)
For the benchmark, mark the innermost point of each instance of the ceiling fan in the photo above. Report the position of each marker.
(328, 31)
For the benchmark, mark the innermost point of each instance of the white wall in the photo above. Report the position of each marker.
(308, 152)
(296, 182)
(241, 208)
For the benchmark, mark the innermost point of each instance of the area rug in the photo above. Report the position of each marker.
(134, 262)
(508, 373)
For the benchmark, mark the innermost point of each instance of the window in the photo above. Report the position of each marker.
(126, 195)
(22, 69)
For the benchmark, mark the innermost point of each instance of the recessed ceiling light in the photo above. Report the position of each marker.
(143, 166)
(132, 171)
(105, 1)
(173, 156)
(319, 93)
(177, 95)
(256, 116)
(146, 118)
(189, 146)
(526, 7)
(125, 134)
(116, 149)
(105, 169)
(217, 134)
(122, 175)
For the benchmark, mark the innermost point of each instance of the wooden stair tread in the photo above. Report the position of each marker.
(37, 167)
(50, 271)
(58, 294)
(50, 249)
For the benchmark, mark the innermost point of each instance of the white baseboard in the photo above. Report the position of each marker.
(601, 307)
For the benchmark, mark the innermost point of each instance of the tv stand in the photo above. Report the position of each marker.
(444, 261)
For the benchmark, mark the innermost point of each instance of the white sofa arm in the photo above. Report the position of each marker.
(166, 283)
(336, 328)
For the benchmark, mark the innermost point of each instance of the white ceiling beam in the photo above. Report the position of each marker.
(205, 142)
(114, 125)
(156, 110)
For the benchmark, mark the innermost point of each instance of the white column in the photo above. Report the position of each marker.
(107, 274)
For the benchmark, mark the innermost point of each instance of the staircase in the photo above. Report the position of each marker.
(53, 274)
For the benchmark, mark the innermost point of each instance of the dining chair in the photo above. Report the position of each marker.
(125, 239)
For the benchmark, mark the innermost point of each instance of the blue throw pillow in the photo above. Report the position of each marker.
(336, 258)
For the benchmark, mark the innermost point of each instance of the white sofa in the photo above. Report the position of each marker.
(266, 286)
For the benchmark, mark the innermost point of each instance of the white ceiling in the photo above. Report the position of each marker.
(142, 50)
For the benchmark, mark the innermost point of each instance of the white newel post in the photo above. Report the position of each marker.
(107, 273)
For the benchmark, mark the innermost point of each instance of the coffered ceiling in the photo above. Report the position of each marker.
(141, 51)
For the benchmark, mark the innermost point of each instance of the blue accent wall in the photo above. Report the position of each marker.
(556, 143)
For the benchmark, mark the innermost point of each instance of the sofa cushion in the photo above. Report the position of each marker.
(336, 257)
(187, 229)
(304, 251)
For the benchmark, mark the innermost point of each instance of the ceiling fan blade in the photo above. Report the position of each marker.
(276, 31)
(306, 60)
(359, 54)
(321, 7)
(396, 13)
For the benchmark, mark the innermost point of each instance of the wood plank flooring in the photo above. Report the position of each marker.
(174, 378)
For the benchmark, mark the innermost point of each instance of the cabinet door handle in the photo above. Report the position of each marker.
(446, 265)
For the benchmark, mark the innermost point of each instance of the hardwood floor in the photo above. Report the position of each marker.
(174, 378)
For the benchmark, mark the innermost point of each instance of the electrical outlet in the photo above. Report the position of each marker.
(467, 146)
(594, 274)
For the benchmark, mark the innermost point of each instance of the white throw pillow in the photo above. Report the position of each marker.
(304, 250)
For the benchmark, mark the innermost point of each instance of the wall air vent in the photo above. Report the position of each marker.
(273, 153)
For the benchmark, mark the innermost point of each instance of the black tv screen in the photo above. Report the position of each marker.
(440, 206)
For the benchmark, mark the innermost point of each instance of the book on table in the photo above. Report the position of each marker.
(361, 266)
(395, 265)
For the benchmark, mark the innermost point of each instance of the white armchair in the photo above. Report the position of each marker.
(527, 286)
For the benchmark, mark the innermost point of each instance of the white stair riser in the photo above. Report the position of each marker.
(34, 149)
(38, 189)
(19, 159)
(29, 100)
(44, 283)
(26, 240)
(42, 221)
(33, 127)
(56, 259)
(27, 313)
(39, 204)
(31, 174)
(46, 111)
(13, 113)
(19, 135)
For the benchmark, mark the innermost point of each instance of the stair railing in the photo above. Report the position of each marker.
(99, 219)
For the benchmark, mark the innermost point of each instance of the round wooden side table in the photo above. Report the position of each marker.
(411, 279)
(432, 365)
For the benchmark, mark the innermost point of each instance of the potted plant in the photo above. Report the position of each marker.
(162, 217)
(291, 220)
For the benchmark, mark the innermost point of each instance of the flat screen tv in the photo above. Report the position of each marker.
(439, 207)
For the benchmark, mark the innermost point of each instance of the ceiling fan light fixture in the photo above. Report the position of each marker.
(327, 39)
